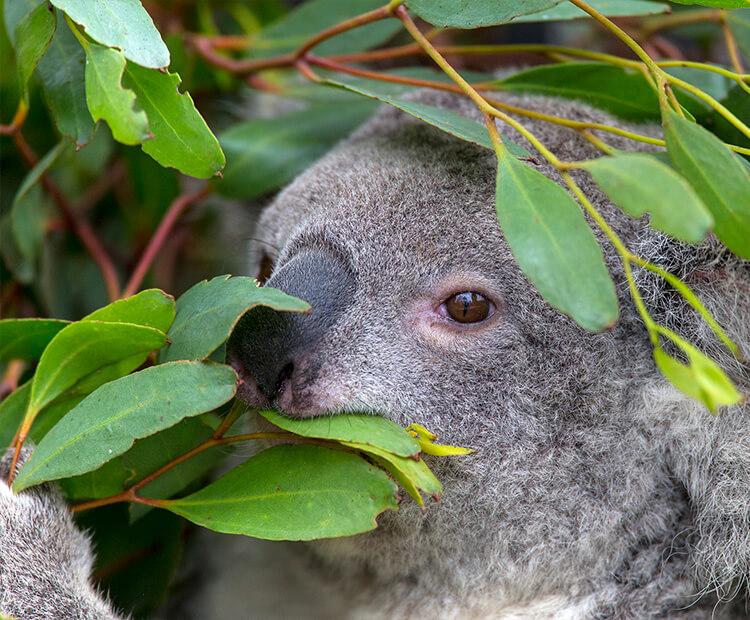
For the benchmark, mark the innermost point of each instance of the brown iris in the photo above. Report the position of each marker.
(468, 307)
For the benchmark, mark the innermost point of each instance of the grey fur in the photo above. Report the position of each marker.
(598, 490)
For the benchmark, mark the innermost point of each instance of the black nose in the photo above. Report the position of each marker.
(280, 352)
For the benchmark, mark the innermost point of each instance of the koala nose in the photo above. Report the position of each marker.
(278, 354)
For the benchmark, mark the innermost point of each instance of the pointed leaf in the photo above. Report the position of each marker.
(106, 97)
(152, 308)
(477, 13)
(82, 347)
(26, 339)
(553, 244)
(107, 422)
(207, 313)
(717, 176)
(369, 430)
(293, 493)
(120, 23)
(181, 139)
(447, 120)
(33, 35)
(639, 183)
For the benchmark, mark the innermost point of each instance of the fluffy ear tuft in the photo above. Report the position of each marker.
(45, 561)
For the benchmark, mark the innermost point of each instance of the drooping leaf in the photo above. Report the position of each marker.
(293, 493)
(263, 155)
(610, 8)
(447, 120)
(61, 74)
(553, 245)
(33, 35)
(717, 176)
(622, 92)
(207, 313)
(367, 430)
(310, 18)
(475, 13)
(181, 139)
(26, 339)
(106, 97)
(152, 308)
(638, 183)
(123, 24)
(107, 422)
(82, 347)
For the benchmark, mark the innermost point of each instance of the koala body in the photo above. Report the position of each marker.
(598, 490)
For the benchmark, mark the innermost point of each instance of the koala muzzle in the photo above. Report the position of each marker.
(278, 355)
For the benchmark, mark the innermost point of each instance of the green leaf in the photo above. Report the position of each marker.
(736, 101)
(263, 155)
(701, 379)
(152, 308)
(33, 35)
(403, 468)
(22, 268)
(310, 18)
(719, 4)
(108, 480)
(107, 422)
(105, 374)
(622, 92)
(61, 75)
(51, 415)
(638, 183)
(26, 339)
(106, 97)
(366, 430)
(150, 453)
(475, 13)
(293, 493)
(207, 313)
(12, 408)
(553, 245)
(739, 24)
(447, 120)
(610, 8)
(82, 347)
(120, 23)
(181, 139)
(717, 176)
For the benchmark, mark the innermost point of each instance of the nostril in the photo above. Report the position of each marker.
(284, 379)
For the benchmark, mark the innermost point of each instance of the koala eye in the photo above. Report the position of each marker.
(265, 269)
(468, 307)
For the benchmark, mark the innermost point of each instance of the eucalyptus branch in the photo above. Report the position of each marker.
(731, 43)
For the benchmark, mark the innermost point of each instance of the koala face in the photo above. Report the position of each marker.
(420, 314)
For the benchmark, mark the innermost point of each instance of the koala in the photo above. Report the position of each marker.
(597, 491)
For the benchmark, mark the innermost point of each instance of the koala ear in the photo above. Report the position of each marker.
(45, 560)
(711, 457)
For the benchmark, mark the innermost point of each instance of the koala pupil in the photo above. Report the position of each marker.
(468, 307)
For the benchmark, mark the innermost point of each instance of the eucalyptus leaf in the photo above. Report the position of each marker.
(107, 422)
(553, 245)
(609, 8)
(82, 347)
(639, 183)
(26, 339)
(447, 120)
(717, 176)
(207, 313)
(123, 24)
(265, 154)
(367, 430)
(475, 13)
(33, 36)
(106, 97)
(293, 493)
(152, 308)
(12, 408)
(719, 4)
(181, 139)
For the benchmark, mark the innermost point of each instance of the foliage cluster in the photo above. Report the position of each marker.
(132, 402)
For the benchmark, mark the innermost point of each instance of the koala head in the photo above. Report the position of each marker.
(420, 314)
